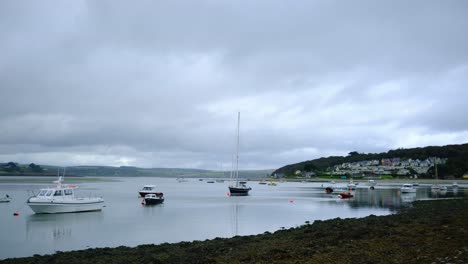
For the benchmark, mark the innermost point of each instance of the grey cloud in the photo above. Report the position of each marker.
(159, 83)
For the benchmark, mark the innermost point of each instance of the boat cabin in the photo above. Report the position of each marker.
(148, 187)
(55, 193)
(154, 195)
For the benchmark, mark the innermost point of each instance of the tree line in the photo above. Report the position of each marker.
(13, 168)
(456, 165)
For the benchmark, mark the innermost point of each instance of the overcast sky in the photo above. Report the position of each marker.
(159, 83)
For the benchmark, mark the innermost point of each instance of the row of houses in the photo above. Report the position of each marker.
(388, 166)
(393, 162)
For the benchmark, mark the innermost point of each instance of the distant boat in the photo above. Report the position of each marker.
(61, 199)
(436, 187)
(262, 182)
(272, 184)
(220, 181)
(5, 199)
(238, 188)
(210, 182)
(182, 180)
(408, 188)
(351, 185)
(455, 185)
(344, 195)
(154, 198)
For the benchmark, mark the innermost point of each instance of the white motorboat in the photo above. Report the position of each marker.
(408, 188)
(61, 199)
(5, 199)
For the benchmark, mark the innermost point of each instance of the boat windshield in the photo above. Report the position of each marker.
(49, 193)
(42, 193)
(58, 193)
(147, 188)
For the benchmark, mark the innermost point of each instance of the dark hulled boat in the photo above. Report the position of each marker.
(240, 190)
(154, 198)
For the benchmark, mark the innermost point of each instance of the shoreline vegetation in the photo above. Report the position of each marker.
(432, 231)
(451, 160)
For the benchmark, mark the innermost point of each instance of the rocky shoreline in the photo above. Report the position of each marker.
(427, 232)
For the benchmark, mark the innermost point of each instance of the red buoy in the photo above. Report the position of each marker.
(228, 194)
(16, 214)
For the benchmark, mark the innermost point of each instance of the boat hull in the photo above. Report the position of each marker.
(345, 195)
(151, 201)
(236, 191)
(143, 193)
(51, 207)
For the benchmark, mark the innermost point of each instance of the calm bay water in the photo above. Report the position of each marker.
(193, 210)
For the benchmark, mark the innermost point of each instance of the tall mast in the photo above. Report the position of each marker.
(237, 148)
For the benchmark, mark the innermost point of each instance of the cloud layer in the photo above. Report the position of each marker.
(156, 84)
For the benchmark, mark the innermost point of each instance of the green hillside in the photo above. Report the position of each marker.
(15, 169)
(456, 155)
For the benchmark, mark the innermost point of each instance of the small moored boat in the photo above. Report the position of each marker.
(351, 185)
(5, 199)
(154, 198)
(238, 188)
(344, 195)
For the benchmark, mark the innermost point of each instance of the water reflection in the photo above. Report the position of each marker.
(408, 197)
(390, 197)
(57, 227)
(192, 211)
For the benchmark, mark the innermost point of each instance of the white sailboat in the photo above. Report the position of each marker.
(236, 188)
(436, 187)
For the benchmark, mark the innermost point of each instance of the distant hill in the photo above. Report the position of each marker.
(15, 169)
(456, 165)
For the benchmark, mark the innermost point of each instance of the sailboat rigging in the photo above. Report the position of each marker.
(236, 188)
(436, 187)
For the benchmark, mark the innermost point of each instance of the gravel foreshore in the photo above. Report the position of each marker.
(426, 232)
